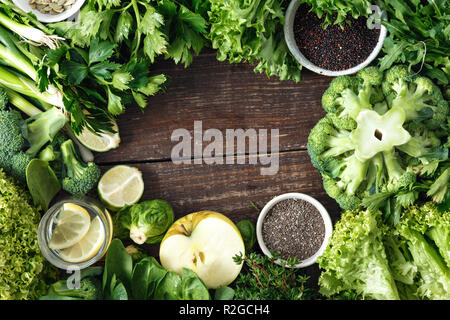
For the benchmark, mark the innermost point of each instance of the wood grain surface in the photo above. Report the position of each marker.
(223, 96)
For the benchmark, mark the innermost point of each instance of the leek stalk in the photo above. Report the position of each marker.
(30, 34)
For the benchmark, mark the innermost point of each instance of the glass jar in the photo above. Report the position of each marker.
(49, 222)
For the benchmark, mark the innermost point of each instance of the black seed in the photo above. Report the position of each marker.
(333, 48)
(293, 228)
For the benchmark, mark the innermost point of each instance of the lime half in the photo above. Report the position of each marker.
(100, 142)
(120, 186)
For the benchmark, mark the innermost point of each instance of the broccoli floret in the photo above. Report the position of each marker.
(325, 140)
(370, 79)
(12, 160)
(11, 139)
(418, 96)
(397, 176)
(89, 289)
(422, 141)
(347, 96)
(346, 186)
(342, 98)
(4, 99)
(79, 177)
(19, 163)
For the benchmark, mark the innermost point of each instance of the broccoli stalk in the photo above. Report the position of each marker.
(40, 129)
(438, 189)
(80, 177)
(397, 177)
(417, 96)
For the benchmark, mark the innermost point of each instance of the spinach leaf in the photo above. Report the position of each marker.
(147, 274)
(118, 271)
(42, 183)
(169, 288)
(192, 288)
(224, 293)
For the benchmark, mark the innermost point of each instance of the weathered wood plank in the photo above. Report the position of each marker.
(223, 96)
(230, 188)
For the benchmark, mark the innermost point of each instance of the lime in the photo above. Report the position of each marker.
(121, 185)
(88, 246)
(100, 142)
(71, 225)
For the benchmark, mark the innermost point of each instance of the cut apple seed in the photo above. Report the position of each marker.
(206, 243)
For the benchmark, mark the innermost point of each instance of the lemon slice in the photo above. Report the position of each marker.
(121, 185)
(72, 224)
(87, 247)
(101, 142)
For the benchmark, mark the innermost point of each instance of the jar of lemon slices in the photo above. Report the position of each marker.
(75, 233)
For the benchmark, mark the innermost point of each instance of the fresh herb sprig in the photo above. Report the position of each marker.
(263, 279)
(105, 63)
(141, 28)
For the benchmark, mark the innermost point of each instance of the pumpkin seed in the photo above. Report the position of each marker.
(51, 6)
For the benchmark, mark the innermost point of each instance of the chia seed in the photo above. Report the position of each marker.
(293, 228)
(333, 48)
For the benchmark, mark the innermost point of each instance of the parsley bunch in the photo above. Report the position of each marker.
(263, 279)
(142, 28)
(106, 61)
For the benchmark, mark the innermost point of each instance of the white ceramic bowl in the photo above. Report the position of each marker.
(292, 45)
(49, 18)
(323, 212)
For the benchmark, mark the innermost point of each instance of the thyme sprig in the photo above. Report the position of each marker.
(263, 279)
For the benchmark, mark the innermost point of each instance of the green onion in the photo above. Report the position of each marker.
(11, 56)
(27, 87)
(21, 103)
(31, 34)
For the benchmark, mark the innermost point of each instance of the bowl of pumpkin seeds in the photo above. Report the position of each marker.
(49, 11)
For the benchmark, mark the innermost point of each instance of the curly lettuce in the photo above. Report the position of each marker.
(407, 261)
(252, 30)
(22, 267)
(355, 259)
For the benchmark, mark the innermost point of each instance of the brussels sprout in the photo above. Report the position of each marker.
(248, 233)
(146, 221)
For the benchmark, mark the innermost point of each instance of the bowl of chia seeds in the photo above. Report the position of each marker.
(49, 11)
(336, 50)
(294, 225)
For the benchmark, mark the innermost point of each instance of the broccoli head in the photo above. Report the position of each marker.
(421, 99)
(11, 139)
(19, 164)
(4, 99)
(80, 177)
(370, 141)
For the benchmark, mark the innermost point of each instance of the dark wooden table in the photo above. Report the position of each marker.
(223, 96)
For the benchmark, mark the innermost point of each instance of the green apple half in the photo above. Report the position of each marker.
(206, 243)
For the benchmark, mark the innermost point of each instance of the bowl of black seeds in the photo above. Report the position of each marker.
(294, 225)
(338, 49)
